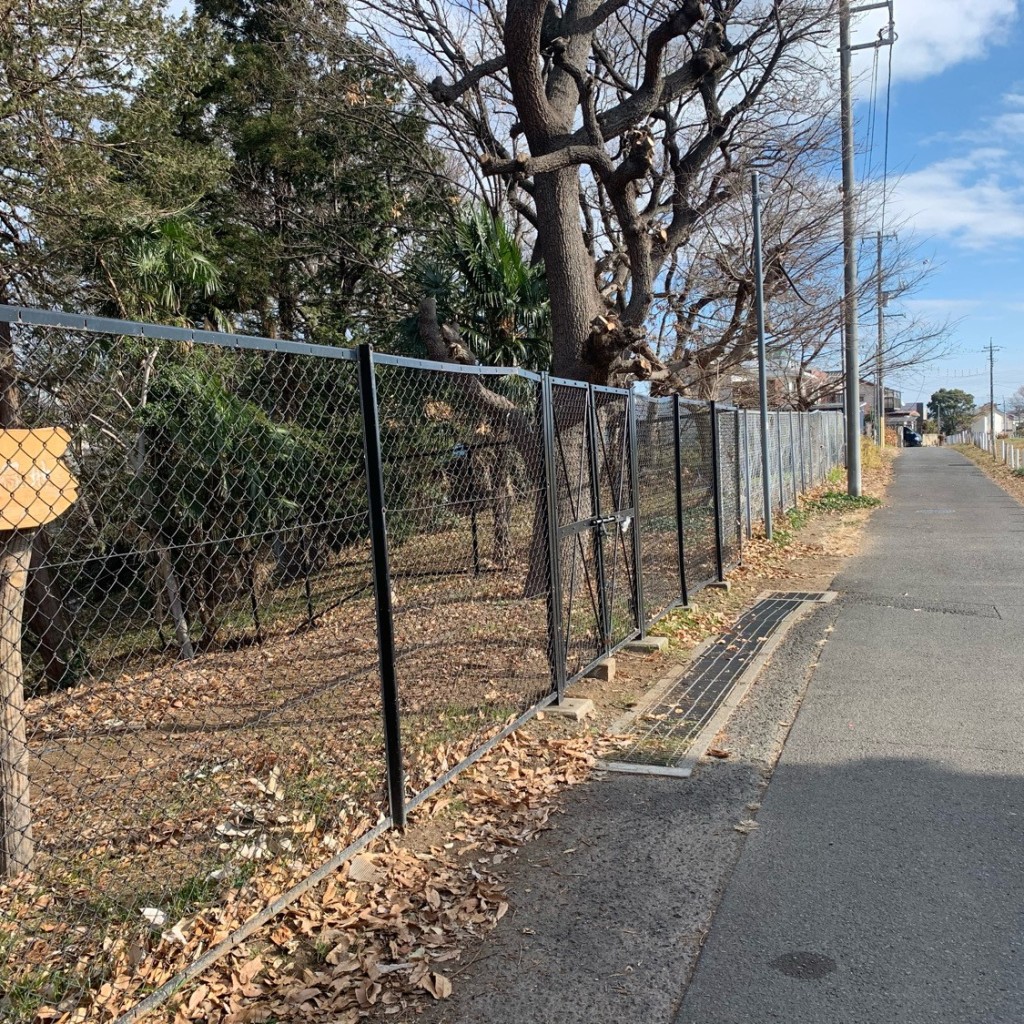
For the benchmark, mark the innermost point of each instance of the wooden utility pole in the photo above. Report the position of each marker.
(15, 555)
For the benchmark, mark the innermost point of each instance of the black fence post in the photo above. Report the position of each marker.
(634, 473)
(556, 652)
(382, 585)
(716, 491)
(599, 527)
(738, 473)
(680, 539)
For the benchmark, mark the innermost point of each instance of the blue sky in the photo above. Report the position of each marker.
(957, 150)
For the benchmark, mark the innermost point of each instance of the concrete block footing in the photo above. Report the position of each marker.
(605, 672)
(576, 708)
(647, 645)
(720, 585)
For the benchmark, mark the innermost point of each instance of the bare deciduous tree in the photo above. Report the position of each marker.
(615, 130)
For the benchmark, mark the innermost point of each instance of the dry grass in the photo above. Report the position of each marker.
(1000, 473)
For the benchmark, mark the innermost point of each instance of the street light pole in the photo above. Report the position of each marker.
(762, 371)
(879, 378)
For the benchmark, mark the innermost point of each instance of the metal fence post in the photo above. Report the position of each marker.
(382, 584)
(634, 472)
(600, 529)
(782, 474)
(556, 653)
(716, 491)
(801, 422)
(680, 540)
(738, 474)
(746, 475)
(792, 455)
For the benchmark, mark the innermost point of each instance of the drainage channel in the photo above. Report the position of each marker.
(669, 735)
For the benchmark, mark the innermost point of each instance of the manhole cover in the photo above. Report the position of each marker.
(804, 965)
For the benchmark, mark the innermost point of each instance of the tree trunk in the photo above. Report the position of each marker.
(501, 500)
(570, 275)
(16, 826)
(46, 618)
(170, 581)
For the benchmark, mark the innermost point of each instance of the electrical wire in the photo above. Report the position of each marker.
(885, 148)
(872, 119)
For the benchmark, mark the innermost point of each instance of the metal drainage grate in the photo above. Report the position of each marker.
(664, 733)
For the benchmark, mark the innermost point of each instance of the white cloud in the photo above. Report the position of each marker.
(943, 307)
(975, 200)
(1009, 124)
(936, 34)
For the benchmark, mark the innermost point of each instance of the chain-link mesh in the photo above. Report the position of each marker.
(465, 493)
(730, 468)
(616, 491)
(656, 516)
(201, 707)
(580, 590)
(753, 485)
(188, 650)
(698, 496)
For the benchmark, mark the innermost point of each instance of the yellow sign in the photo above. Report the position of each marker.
(35, 486)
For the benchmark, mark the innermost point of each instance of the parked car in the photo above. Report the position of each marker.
(911, 438)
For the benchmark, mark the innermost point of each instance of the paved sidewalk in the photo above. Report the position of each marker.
(886, 880)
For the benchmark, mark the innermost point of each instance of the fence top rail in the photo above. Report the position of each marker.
(165, 332)
(477, 369)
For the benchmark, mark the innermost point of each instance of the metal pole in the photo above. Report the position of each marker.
(782, 475)
(762, 370)
(738, 472)
(600, 530)
(792, 455)
(716, 492)
(803, 451)
(879, 378)
(746, 475)
(382, 584)
(992, 395)
(556, 652)
(634, 472)
(680, 542)
(853, 475)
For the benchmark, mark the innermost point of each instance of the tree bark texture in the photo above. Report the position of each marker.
(16, 827)
(15, 558)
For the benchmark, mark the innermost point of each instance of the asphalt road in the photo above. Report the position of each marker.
(886, 880)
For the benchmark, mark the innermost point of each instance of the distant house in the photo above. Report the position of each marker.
(911, 415)
(981, 423)
(833, 391)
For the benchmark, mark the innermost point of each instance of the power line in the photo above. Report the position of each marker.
(885, 152)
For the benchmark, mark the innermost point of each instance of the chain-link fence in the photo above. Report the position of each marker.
(260, 598)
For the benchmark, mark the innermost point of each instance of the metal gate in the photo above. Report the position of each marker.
(593, 450)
